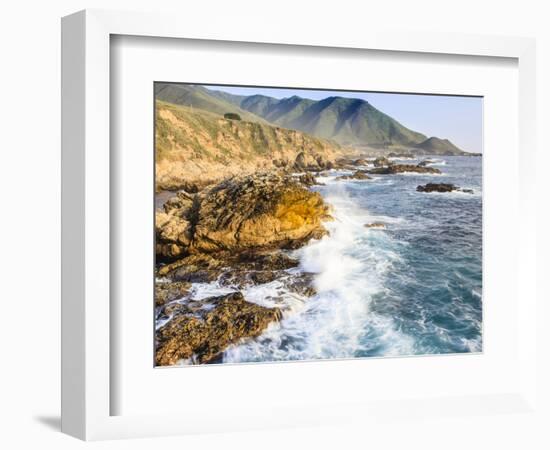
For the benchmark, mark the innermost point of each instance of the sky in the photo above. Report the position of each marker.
(459, 119)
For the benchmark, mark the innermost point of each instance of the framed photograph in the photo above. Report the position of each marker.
(267, 229)
(305, 224)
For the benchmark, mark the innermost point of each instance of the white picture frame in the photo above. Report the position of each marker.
(86, 246)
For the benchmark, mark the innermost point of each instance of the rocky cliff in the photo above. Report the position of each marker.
(195, 148)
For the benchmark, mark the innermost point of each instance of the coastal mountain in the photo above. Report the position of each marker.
(436, 146)
(348, 121)
(195, 148)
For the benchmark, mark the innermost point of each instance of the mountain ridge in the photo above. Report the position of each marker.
(348, 121)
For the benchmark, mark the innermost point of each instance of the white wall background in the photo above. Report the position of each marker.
(30, 160)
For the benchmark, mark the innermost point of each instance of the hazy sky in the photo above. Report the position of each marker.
(458, 119)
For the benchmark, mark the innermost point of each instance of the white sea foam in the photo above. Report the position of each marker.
(420, 174)
(458, 194)
(350, 270)
(200, 291)
(403, 158)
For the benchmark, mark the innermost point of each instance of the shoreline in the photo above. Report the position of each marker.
(250, 288)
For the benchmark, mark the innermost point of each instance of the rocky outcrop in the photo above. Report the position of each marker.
(402, 168)
(308, 179)
(202, 330)
(311, 162)
(195, 149)
(345, 164)
(257, 211)
(256, 267)
(196, 268)
(168, 292)
(174, 227)
(400, 155)
(442, 187)
(230, 269)
(357, 175)
(381, 162)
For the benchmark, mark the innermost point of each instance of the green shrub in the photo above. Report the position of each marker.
(232, 116)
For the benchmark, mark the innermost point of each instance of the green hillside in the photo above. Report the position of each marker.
(201, 98)
(348, 121)
(196, 147)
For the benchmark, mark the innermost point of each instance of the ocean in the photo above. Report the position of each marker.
(412, 288)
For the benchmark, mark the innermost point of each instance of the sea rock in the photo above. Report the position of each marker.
(361, 162)
(170, 291)
(401, 168)
(425, 163)
(442, 187)
(210, 327)
(308, 179)
(311, 162)
(437, 187)
(344, 163)
(357, 175)
(376, 225)
(302, 284)
(382, 161)
(264, 210)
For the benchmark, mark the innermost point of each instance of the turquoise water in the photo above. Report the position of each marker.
(413, 288)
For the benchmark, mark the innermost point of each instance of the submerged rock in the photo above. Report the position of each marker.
(302, 284)
(206, 329)
(376, 225)
(401, 168)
